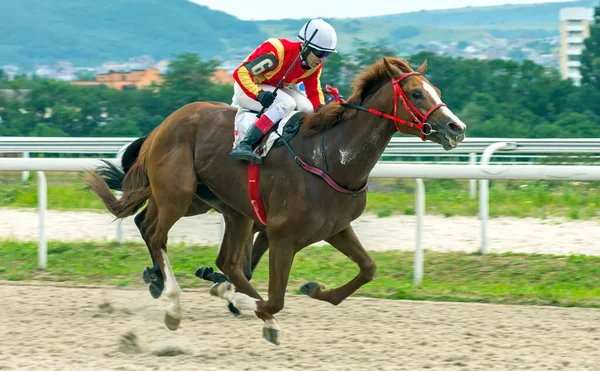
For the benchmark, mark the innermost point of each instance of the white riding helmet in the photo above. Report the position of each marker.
(325, 40)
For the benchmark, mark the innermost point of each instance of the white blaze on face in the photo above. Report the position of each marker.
(445, 110)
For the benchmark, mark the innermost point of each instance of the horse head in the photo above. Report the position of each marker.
(418, 107)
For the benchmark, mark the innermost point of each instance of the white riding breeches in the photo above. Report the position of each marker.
(288, 99)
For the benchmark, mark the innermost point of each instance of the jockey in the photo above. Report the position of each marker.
(259, 74)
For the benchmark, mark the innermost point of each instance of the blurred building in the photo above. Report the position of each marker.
(139, 79)
(574, 28)
(222, 76)
(135, 79)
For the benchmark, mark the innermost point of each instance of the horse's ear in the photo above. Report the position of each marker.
(423, 68)
(392, 70)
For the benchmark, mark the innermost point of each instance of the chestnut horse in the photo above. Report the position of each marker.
(183, 167)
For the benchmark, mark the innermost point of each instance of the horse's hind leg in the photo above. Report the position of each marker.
(348, 244)
(173, 188)
(152, 276)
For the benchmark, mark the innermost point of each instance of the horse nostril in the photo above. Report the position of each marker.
(455, 128)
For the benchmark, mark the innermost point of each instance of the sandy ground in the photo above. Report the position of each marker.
(551, 236)
(46, 327)
(50, 327)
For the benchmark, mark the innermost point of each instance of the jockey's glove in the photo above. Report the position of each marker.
(265, 98)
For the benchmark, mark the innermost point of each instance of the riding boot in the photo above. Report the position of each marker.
(245, 150)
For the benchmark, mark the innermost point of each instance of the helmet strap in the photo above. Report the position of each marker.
(304, 57)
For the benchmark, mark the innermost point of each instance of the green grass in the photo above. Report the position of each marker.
(537, 199)
(62, 195)
(508, 278)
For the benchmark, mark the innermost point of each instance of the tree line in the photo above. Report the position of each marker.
(496, 98)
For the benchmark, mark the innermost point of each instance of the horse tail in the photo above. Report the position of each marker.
(112, 174)
(132, 181)
(131, 153)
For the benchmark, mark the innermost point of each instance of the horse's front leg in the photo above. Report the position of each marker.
(348, 244)
(238, 231)
(281, 257)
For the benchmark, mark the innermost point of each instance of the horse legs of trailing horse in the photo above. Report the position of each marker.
(247, 258)
(253, 253)
(232, 254)
(261, 245)
(255, 249)
(348, 244)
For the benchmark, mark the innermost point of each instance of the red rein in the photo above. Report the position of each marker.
(419, 120)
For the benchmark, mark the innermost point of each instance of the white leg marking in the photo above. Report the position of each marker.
(172, 289)
(226, 291)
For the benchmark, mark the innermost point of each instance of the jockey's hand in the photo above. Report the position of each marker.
(265, 98)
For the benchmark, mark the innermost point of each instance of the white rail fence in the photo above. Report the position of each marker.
(400, 149)
(398, 145)
(413, 171)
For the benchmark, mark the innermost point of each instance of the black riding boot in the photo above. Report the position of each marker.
(244, 151)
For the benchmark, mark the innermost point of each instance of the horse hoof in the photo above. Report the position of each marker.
(155, 291)
(233, 309)
(271, 335)
(148, 275)
(155, 282)
(310, 288)
(172, 322)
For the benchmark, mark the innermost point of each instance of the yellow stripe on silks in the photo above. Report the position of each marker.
(304, 76)
(321, 95)
(280, 58)
(307, 74)
(247, 81)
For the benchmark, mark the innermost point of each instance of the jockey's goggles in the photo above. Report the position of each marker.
(319, 53)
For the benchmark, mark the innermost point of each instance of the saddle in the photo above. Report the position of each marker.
(285, 131)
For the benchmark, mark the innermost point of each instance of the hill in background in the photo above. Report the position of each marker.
(88, 33)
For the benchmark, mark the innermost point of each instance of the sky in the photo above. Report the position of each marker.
(278, 9)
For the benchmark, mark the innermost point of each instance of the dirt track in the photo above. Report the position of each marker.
(45, 327)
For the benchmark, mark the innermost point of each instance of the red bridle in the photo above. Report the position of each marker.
(419, 119)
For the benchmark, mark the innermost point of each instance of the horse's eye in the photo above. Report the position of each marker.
(417, 95)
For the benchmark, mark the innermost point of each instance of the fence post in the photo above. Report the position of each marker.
(484, 189)
(25, 174)
(420, 211)
(42, 206)
(472, 182)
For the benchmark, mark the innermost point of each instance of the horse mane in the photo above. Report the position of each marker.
(367, 83)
